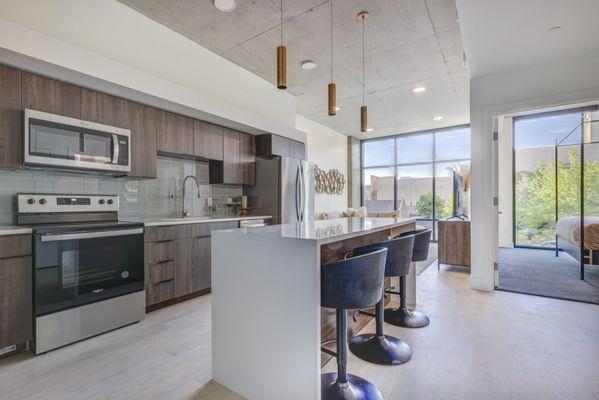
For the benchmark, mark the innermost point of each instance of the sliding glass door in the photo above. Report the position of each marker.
(534, 155)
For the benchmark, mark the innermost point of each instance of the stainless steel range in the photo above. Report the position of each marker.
(88, 267)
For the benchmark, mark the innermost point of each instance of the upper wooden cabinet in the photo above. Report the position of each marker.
(51, 96)
(239, 160)
(139, 119)
(11, 118)
(100, 107)
(275, 145)
(174, 134)
(208, 140)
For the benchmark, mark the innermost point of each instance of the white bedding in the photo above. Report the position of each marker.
(569, 229)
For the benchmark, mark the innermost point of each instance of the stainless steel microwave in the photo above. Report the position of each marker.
(57, 141)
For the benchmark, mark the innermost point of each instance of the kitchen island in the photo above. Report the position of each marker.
(267, 323)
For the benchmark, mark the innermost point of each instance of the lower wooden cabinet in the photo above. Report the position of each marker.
(192, 265)
(177, 260)
(16, 310)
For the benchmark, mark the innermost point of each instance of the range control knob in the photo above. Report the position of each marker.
(43, 201)
(101, 201)
(30, 200)
(110, 201)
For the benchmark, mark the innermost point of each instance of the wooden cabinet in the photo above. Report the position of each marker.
(100, 107)
(141, 120)
(208, 140)
(11, 118)
(177, 260)
(174, 134)
(192, 265)
(49, 95)
(454, 242)
(16, 308)
(275, 145)
(272, 145)
(239, 160)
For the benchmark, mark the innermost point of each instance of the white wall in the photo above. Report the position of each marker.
(550, 84)
(327, 149)
(107, 40)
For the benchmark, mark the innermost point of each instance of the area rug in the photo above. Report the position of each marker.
(540, 273)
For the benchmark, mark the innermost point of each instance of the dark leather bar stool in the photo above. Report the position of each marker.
(379, 348)
(355, 282)
(403, 316)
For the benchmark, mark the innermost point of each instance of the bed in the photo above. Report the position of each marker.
(568, 238)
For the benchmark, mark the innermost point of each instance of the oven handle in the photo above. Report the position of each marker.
(91, 235)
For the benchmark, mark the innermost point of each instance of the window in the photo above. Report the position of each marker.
(535, 137)
(406, 172)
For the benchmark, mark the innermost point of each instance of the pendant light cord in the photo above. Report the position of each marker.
(331, 41)
(281, 22)
(363, 63)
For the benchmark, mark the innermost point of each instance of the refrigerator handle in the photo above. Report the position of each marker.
(302, 193)
(297, 193)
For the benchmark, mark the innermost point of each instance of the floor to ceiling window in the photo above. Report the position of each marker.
(414, 173)
(535, 137)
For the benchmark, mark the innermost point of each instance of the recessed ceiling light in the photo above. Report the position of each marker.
(419, 89)
(437, 118)
(369, 129)
(337, 108)
(225, 5)
(308, 64)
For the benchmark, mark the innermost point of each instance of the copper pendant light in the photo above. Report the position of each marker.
(332, 86)
(363, 110)
(282, 59)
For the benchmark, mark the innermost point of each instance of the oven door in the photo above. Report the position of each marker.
(76, 268)
(60, 141)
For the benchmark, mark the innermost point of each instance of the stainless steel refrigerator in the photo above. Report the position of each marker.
(284, 189)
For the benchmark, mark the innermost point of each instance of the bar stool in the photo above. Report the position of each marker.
(379, 348)
(355, 282)
(403, 316)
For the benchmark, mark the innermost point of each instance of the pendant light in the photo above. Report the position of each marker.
(282, 59)
(332, 86)
(363, 110)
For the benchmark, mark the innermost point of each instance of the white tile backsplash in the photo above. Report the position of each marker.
(157, 198)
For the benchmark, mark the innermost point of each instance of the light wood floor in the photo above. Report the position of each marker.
(479, 346)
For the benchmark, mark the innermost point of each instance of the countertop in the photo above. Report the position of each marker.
(14, 230)
(323, 231)
(191, 220)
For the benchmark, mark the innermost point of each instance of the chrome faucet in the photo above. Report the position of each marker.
(185, 213)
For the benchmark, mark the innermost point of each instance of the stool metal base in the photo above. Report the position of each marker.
(406, 318)
(385, 350)
(355, 388)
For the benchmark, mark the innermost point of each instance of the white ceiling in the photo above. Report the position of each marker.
(408, 43)
(507, 34)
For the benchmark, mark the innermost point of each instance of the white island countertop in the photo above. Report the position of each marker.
(266, 310)
(322, 231)
(191, 220)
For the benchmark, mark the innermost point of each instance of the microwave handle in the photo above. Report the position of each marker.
(115, 149)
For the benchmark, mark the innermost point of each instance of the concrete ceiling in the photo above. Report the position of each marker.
(507, 34)
(409, 43)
